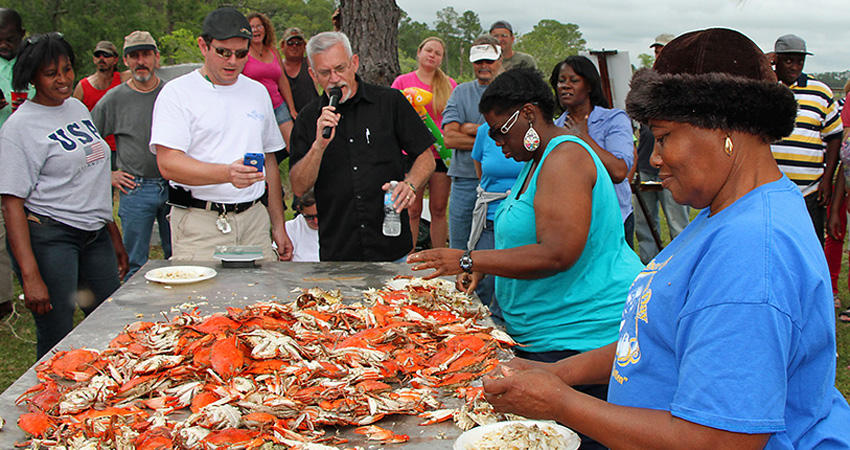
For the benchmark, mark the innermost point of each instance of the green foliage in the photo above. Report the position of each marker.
(175, 24)
(410, 34)
(85, 22)
(312, 16)
(458, 31)
(550, 42)
(646, 60)
(178, 47)
(835, 80)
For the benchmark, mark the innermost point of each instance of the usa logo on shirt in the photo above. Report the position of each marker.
(94, 152)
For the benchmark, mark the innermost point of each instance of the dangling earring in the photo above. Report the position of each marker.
(728, 147)
(531, 140)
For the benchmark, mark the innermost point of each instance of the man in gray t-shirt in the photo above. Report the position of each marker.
(461, 119)
(126, 112)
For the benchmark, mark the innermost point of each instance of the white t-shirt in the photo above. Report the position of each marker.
(54, 158)
(305, 240)
(216, 124)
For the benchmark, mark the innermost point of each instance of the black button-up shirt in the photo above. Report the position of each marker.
(376, 124)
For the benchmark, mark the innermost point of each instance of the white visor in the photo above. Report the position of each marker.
(484, 51)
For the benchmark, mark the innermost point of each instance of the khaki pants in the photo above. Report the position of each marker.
(194, 235)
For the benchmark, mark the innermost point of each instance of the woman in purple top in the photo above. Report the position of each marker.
(589, 117)
(430, 77)
(264, 65)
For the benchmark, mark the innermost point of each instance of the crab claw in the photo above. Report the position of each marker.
(376, 433)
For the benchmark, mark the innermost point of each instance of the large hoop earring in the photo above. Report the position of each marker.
(531, 140)
(728, 146)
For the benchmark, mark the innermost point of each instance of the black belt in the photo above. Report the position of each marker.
(223, 207)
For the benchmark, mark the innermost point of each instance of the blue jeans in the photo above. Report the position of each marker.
(66, 256)
(138, 209)
(486, 289)
(461, 204)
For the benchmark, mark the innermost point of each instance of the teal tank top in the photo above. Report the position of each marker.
(580, 308)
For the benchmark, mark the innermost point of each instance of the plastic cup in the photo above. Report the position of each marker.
(18, 98)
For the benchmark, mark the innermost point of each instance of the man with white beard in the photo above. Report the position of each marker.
(126, 111)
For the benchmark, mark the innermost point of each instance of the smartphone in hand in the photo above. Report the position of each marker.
(257, 160)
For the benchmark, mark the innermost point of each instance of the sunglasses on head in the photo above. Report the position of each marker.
(102, 54)
(38, 37)
(226, 53)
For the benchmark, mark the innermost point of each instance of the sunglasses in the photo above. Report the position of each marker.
(102, 54)
(504, 129)
(295, 42)
(485, 61)
(39, 37)
(310, 216)
(226, 53)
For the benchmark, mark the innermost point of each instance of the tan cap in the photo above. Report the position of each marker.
(139, 40)
(662, 40)
(106, 46)
(293, 32)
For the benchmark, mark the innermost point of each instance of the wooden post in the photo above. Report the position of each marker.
(601, 56)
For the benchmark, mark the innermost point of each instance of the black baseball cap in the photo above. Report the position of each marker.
(226, 23)
(502, 24)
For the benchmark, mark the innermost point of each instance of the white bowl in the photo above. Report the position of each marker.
(470, 437)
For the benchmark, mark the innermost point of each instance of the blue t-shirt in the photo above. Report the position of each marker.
(462, 107)
(731, 326)
(498, 173)
(612, 130)
(579, 308)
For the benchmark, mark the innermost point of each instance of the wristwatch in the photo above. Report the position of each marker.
(466, 261)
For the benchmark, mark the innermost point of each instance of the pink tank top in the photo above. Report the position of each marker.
(266, 73)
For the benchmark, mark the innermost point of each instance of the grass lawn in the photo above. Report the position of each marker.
(18, 335)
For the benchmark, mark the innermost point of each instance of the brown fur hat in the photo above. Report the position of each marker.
(714, 79)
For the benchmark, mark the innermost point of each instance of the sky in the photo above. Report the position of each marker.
(631, 25)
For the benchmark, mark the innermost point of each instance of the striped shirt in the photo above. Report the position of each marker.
(801, 155)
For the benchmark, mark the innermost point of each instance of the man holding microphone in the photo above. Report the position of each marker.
(350, 152)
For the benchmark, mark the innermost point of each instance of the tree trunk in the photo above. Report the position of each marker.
(372, 27)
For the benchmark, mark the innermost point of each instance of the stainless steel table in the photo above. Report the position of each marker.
(139, 299)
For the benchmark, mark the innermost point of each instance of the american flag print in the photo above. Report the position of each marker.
(94, 151)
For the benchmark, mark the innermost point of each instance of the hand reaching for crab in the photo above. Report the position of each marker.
(529, 392)
(467, 282)
(445, 261)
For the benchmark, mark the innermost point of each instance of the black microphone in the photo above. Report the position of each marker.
(334, 93)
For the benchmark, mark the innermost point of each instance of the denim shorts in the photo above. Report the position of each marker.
(281, 114)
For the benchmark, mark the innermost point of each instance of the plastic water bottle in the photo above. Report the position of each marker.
(392, 219)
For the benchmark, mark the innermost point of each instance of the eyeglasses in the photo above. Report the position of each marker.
(38, 37)
(504, 128)
(339, 70)
(226, 53)
(102, 54)
(310, 216)
(295, 42)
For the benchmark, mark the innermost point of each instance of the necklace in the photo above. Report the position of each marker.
(139, 89)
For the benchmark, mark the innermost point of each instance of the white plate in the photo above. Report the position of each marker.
(470, 437)
(238, 253)
(180, 274)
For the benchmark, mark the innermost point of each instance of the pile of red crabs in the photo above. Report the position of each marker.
(271, 374)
